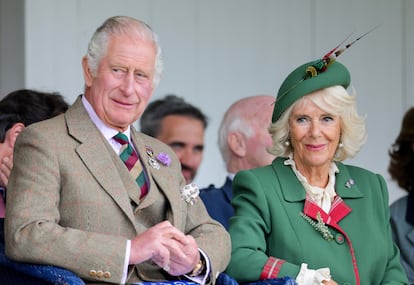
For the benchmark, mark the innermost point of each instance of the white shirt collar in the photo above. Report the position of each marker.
(106, 131)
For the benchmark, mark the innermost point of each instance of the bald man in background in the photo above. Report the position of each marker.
(243, 139)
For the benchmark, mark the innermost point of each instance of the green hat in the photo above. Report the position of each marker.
(307, 78)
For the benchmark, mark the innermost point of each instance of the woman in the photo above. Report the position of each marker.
(401, 169)
(307, 215)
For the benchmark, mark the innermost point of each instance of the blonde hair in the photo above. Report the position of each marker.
(336, 101)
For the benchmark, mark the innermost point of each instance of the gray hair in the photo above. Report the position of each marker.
(336, 101)
(232, 122)
(121, 25)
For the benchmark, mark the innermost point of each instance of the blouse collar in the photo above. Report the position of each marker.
(323, 197)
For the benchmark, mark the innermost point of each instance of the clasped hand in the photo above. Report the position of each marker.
(167, 247)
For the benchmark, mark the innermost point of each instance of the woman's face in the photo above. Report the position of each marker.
(314, 135)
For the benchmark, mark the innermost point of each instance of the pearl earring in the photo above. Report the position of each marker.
(286, 143)
(340, 145)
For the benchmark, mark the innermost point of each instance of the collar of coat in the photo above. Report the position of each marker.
(293, 191)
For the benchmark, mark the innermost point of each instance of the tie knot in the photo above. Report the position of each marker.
(121, 138)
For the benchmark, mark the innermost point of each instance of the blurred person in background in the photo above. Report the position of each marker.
(401, 169)
(180, 125)
(243, 139)
(18, 110)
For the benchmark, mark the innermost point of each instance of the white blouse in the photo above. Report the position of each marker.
(323, 197)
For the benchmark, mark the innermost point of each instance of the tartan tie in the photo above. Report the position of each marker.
(129, 156)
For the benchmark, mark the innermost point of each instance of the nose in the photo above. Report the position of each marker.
(315, 129)
(189, 158)
(127, 85)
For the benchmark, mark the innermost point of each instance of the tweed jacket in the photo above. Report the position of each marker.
(402, 225)
(271, 238)
(72, 202)
(218, 202)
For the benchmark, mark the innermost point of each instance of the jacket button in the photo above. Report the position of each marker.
(339, 238)
(99, 274)
(107, 274)
(92, 273)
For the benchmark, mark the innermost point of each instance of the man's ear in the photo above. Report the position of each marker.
(87, 73)
(237, 143)
(13, 132)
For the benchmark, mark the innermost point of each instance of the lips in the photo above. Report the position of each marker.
(124, 104)
(315, 147)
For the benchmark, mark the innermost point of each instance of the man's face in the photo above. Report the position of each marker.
(123, 84)
(257, 146)
(185, 136)
(261, 140)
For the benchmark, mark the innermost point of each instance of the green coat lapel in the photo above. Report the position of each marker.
(292, 189)
(346, 186)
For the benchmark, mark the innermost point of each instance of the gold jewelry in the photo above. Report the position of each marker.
(198, 268)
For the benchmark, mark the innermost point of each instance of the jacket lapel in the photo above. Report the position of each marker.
(293, 191)
(346, 186)
(95, 153)
(159, 181)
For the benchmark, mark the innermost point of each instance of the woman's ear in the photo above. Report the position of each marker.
(13, 132)
(237, 143)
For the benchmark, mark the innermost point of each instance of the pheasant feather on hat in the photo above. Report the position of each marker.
(313, 76)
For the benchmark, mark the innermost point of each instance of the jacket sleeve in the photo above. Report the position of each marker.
(35, 229)
(248, 230)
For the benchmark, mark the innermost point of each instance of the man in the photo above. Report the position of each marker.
(110, 218)
(181, 126)
(243, 139)
(18, 110)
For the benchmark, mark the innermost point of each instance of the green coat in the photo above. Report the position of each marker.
(267, 223)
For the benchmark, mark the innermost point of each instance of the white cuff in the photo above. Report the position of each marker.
(312, 277)
(202, 279)
(126, 262)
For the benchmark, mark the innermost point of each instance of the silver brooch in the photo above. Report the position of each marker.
(349, 183)
(189, 193)
(151, 160)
